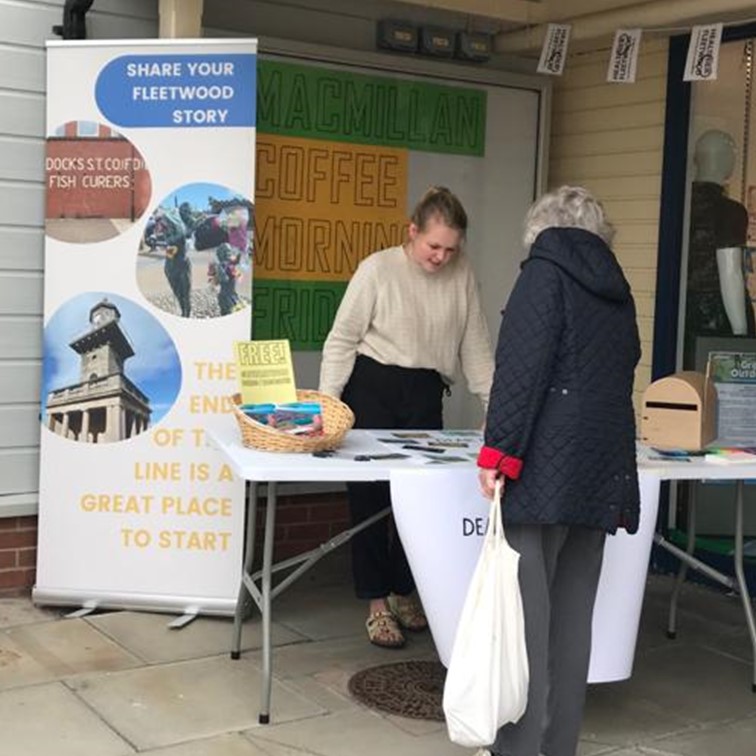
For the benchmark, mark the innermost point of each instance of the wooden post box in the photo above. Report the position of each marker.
(679, 412)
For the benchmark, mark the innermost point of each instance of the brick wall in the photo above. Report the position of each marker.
(302, 523)
(18, 554)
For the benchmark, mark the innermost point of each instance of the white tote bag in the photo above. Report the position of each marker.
(487, 680)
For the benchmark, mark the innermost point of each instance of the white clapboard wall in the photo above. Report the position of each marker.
(24, 27)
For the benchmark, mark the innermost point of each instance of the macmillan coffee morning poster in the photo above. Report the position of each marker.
(338, 152)
(149, 169)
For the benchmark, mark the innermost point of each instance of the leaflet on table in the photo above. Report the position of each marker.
(437, 447)
(297, 418)
(720, 455)
(731, 455)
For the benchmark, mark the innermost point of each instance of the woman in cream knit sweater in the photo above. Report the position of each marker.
(409, 316)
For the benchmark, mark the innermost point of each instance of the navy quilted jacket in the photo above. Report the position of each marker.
(560, 420)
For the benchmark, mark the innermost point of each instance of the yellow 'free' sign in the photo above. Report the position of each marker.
(266, 371)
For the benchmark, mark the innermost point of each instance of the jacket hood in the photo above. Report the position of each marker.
(584, 257)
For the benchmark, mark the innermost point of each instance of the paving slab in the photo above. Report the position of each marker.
(349, 655)
(730, 738)
(20, 611)
(49, 720)
(173, 703)
(148, 636)
(673, 691)
(329, 611)
(46, 651)
(233, 744)
(355, 732)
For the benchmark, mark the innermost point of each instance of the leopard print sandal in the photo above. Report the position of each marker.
(408, 612)
(383, 630)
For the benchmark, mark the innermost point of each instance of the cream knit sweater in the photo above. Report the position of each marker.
(398, 314)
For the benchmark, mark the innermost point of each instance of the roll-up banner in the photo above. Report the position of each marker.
(150, 157)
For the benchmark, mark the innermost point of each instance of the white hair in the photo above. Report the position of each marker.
(567, 206)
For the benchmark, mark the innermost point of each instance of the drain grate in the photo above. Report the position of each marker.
(412, 689)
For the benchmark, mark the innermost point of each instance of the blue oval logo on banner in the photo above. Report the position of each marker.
(178, 91)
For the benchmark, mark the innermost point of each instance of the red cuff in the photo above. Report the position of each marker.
(493, 459)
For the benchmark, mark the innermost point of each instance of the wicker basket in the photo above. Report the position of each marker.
(337, 420)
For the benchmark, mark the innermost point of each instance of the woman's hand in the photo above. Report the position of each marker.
(487, 479)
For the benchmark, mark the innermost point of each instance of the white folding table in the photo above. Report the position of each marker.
(273, 468)
(698, 468)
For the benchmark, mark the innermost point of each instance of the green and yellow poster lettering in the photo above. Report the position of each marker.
(332, 167)
(322, 207)
(323, 103)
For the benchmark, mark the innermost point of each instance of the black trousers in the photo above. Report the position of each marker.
(386, 396)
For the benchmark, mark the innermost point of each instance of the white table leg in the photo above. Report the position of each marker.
(267, 565)
(263, 596)
(740, 575)
(249, 555)
(682, 570)
(738, 584)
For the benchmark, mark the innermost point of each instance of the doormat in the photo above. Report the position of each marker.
(412, 689)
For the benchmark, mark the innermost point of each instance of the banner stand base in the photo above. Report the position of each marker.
(188, 616)
(189, 607)
(88, 608)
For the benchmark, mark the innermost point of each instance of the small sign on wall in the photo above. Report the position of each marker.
(554, 51)
(702, 63)
(624, 58)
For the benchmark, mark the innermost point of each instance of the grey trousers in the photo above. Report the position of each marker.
(559, 573)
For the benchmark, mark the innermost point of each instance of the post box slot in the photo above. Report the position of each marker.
(672, 406)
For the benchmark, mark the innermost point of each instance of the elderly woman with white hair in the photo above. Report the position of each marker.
(560, 433)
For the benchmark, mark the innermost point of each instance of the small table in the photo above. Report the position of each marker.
(273, 468)
(698, 468)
